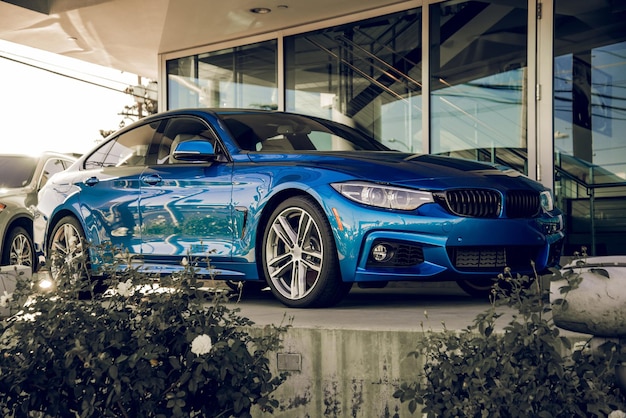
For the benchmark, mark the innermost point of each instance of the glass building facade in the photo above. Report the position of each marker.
(537, 86)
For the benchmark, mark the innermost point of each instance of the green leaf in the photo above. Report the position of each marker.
(113, 371)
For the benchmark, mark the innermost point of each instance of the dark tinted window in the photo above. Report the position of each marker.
(16, 171)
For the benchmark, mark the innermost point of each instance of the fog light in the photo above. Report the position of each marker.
(380, 253)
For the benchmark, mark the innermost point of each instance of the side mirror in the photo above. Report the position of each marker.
(195, 150)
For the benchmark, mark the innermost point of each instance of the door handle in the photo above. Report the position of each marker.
(91, 181)
(152, 179)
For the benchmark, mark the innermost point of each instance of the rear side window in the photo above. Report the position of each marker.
(128, 149)
(52, 166)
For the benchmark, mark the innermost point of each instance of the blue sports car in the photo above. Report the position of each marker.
(302, 204)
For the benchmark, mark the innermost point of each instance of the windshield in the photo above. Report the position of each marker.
(16, 171)
(279, 132)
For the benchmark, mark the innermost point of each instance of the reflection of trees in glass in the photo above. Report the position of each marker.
(159, 226)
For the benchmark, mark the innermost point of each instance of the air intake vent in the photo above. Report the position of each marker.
(493, 259)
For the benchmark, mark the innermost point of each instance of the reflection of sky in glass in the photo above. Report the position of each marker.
(224, 93)
(401, 127)
(608, 106)
(484, 113)
(247, 96)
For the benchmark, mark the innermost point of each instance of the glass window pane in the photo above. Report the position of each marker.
(180, 130)
(365, 74)
(16, 171)
(51, 167)
(479, 80)
(589, 123)
(242, 77)
(131, 148)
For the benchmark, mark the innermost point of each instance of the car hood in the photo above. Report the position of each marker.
(415, 170)
(20, 191)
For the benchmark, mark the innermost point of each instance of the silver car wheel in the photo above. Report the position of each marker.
(21, 250)
(294, 253)
(66, 249)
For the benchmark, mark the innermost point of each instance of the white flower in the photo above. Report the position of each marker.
(201, 344)
(125, 288)
(4, 299)
(22, 316)
(617, 414)
(184, 262)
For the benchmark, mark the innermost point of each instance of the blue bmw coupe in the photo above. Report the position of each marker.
(304, 205)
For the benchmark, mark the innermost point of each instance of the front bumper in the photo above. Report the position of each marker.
(434, 245)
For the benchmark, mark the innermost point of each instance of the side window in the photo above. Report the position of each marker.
(128, 149)
(179, 130)
(96, 159)
(51, 167)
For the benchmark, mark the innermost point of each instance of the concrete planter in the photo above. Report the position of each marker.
(598, 305)
(8, 277)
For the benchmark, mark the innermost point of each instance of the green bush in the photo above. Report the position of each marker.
(527, 370)
(140, 351)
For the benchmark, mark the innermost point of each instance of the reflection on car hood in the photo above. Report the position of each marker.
(13, 192)
(415, 170)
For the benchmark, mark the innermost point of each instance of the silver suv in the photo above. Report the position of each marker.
(21, 177)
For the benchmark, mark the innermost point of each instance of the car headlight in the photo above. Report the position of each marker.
(381, 196)
(546, 200)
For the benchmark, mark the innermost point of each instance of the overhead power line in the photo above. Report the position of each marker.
(42, 67)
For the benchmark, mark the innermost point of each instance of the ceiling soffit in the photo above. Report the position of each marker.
(130, 34)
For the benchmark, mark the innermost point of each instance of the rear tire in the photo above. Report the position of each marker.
(19, 249)
(484, 288)
(478, 288)
(246, 286)
(299, 256)
(69, 257)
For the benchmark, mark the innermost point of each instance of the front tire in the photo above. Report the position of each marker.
(299, 256)
(67, 251)
(19, 249)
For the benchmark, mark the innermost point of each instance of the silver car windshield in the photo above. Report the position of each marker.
(16, 171)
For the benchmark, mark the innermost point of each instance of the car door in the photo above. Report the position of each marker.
(110, 188)
(186, 208)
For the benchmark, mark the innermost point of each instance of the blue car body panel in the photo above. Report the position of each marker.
(217, 209)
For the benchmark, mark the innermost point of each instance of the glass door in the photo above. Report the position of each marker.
(480, 79)
(589, 82)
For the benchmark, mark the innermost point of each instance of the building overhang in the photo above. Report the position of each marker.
(129, 35)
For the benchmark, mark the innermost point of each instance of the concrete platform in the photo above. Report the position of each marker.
(400, 306)
(347, 361)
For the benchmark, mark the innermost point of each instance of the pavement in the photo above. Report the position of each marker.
(399, 306)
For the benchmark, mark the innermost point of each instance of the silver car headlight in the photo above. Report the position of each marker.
(381, 196)
(546, 200)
